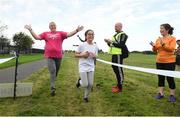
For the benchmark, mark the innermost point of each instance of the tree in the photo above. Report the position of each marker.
(148, 52)
(23, 42)
(2, 28)
(4, 42)
(4, 45)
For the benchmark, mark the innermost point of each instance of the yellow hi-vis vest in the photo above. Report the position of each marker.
(115, 50)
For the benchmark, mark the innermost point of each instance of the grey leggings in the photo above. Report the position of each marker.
(87, 79)
(53, 66)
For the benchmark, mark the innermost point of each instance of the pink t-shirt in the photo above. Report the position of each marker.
(54, 40)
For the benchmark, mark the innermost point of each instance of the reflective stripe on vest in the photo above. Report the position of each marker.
(115, 50)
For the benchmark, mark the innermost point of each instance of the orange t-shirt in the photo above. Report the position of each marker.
(165, 53)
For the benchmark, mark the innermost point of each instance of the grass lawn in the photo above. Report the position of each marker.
(137, 98)
(22, 59)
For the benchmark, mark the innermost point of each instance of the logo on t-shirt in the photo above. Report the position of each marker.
(52, 36)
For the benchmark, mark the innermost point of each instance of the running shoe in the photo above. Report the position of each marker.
(86, 100)
(172, 98)
(53, 91)
(78, 83)
(159, 96)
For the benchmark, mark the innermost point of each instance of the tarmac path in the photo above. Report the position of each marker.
(24, 70)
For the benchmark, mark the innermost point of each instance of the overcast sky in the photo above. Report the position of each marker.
(141, 19)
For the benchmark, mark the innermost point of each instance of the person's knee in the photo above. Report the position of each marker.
(115, 69)
(172, 86)
(84, 84)
(51, 70)
(171, 83)
(53, 73)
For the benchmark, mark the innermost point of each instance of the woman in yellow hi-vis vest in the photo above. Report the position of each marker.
(116, 44)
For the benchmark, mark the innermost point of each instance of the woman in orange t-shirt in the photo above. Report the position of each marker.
(165, 60)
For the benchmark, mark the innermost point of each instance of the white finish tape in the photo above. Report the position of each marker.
(6, 59)
(175, 74)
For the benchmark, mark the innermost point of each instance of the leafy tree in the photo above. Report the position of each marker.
(148, 52)
(22, 41)
(2, 28)
(4, 42)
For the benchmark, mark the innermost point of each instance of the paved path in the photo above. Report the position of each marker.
(24, 70)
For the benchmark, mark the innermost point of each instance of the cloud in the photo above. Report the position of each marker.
(140, 18)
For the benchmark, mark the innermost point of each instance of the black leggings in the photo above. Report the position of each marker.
(161, 79)
(118, 70)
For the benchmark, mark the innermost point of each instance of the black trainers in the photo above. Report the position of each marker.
(53, 91)
(78, 83)
(86, 100)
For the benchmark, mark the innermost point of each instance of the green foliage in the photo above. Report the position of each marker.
(2, 28)
(148, 52)
(4, 42)
(137, 98)
(144, 52)
(23, 41)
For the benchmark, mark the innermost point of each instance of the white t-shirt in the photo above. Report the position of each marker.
(87, 64)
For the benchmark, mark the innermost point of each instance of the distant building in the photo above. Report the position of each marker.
(10, 49)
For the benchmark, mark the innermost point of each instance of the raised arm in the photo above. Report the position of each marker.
(28, 27)
(79, 28)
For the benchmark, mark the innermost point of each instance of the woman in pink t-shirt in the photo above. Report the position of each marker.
(53, 48)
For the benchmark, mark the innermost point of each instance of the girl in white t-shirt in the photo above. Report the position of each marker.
(87, 53)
